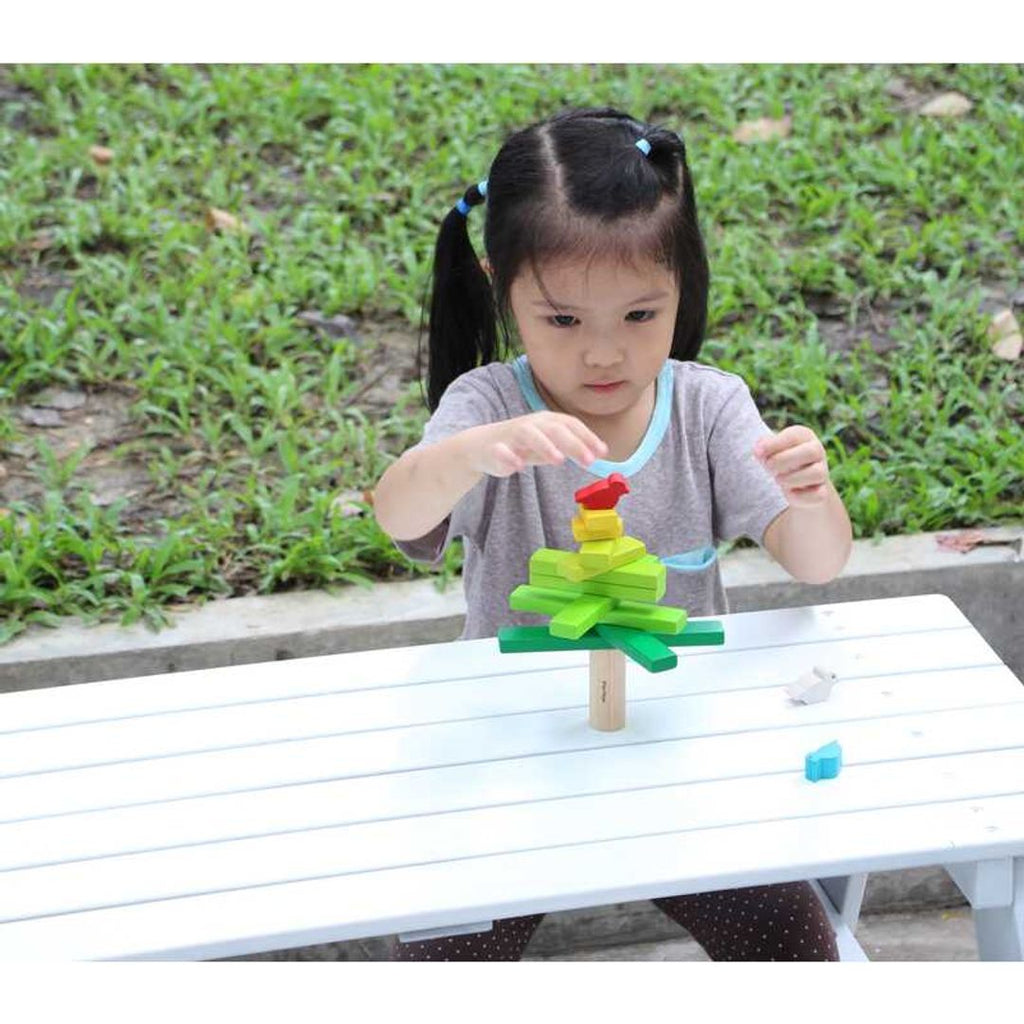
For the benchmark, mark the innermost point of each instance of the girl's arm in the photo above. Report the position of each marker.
(420, 490)
(812, 539)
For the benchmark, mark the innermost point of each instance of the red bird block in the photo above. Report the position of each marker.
(603, 494)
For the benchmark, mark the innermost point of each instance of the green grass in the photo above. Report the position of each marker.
(243, 416)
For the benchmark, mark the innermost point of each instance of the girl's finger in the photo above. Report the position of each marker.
(542, 447)
(570, 442)
(792, 459)
(588, 437)
(807, 495)
(788, 437)
(809, 476)
(507, 459)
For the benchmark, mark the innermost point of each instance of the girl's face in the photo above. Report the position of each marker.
(596, 335)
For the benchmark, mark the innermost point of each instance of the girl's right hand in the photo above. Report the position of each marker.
(537, 439)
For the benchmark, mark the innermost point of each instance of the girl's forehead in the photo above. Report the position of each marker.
(594, 279)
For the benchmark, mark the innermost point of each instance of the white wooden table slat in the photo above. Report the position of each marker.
(412, 898)
(487, 739)
(186, 822)
(856, 662)
(243, 684)
(499, 830)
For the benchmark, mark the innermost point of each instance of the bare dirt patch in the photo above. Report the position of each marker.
(100, 423)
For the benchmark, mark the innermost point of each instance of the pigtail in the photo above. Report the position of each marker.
(666, 153)
(691, 254)
(462, 331)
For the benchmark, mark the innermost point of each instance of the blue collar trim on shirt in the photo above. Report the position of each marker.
(655, 429)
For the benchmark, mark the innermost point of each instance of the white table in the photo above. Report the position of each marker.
(229, 811)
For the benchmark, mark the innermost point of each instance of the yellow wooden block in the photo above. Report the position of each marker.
(597, 524)
(603, 555)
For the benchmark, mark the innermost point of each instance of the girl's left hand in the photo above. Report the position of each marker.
(796, 459)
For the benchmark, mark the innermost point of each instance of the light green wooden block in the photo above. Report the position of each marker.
(642, 580)
(575, 619)
(649, 618)
(526, 598)
(600, 586)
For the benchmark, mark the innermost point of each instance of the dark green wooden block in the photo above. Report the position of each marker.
(644, 648)
(709, 632)
(521, 639)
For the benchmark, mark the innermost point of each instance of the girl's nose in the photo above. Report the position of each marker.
(603, 350)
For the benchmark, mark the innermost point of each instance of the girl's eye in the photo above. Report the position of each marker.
(562, 320)
(640, 316)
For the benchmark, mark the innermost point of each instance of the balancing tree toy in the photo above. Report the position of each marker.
(603, 598)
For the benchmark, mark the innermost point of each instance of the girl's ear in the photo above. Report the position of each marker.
(486, 264)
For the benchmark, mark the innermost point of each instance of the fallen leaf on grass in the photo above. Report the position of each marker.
(101, 155)
(965, 540)
(948, 104)
(763, 129)
(338, 326)
(968, 540)
(221, 220)
(346, 502)
(1005, 335)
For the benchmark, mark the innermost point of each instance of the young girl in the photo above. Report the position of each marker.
(595, 260)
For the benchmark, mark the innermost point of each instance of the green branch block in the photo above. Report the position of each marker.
(579, 615)
(525, 639)
(650, 618)
(643, 579)
(644, 648)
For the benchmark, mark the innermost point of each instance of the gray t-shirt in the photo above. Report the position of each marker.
(693, 482)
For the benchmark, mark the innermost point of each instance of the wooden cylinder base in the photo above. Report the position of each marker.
(607, 690)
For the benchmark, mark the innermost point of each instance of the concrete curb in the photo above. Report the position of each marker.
(986, 583)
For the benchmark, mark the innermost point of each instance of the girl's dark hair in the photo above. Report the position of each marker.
(575, 185)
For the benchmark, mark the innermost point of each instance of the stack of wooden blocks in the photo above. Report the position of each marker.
(603, 598)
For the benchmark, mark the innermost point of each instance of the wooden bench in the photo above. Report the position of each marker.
(432, 789)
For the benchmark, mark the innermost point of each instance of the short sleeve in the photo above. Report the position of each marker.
(745, 495)
(468, 402)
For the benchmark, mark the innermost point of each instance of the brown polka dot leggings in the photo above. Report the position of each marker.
(768, 922)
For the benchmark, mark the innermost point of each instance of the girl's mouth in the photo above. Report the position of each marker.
(604, 389)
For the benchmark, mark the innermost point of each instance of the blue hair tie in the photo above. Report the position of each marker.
(644, 146)
(463, 207)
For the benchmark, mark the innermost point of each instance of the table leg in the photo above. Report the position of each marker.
(995, 890)
(846, 893)
(841, 898)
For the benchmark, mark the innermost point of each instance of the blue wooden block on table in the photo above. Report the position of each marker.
(824, 763)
